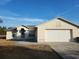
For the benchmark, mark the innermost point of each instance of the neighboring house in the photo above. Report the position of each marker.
(57, 30)
(22, 33)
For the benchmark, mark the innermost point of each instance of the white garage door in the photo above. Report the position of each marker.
(57, 35)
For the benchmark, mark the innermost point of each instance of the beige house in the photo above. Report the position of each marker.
(57, 30)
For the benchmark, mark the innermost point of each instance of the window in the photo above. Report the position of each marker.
(31, 34)
(14, 35)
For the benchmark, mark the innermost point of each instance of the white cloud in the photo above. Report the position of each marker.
(22, 19)
(3, 2)
(32, 20)
(15, 21)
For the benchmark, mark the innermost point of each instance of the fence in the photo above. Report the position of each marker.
(2, 36)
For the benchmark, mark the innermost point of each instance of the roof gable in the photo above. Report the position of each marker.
(68, 22)
(61, 19)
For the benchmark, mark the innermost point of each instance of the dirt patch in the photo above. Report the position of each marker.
(37, 51)
(5, 42)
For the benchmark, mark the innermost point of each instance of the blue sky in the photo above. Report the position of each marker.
(33, 12)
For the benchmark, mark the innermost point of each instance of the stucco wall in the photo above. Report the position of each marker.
(55, 24)
(9, 35)
(18, 34)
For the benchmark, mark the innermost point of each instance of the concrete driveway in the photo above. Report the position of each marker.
(68, 50)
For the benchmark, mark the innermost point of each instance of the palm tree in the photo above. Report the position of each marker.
(22, 31)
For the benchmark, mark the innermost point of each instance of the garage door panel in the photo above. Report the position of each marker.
(57, 35)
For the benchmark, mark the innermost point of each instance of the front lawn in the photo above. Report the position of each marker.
(36, 51)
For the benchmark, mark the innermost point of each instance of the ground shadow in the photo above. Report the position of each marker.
(76, 39)
(19, 52)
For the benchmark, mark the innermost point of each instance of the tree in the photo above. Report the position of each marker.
(22, 31)
(2, 30)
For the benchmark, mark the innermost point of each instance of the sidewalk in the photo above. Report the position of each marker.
(68, 50)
